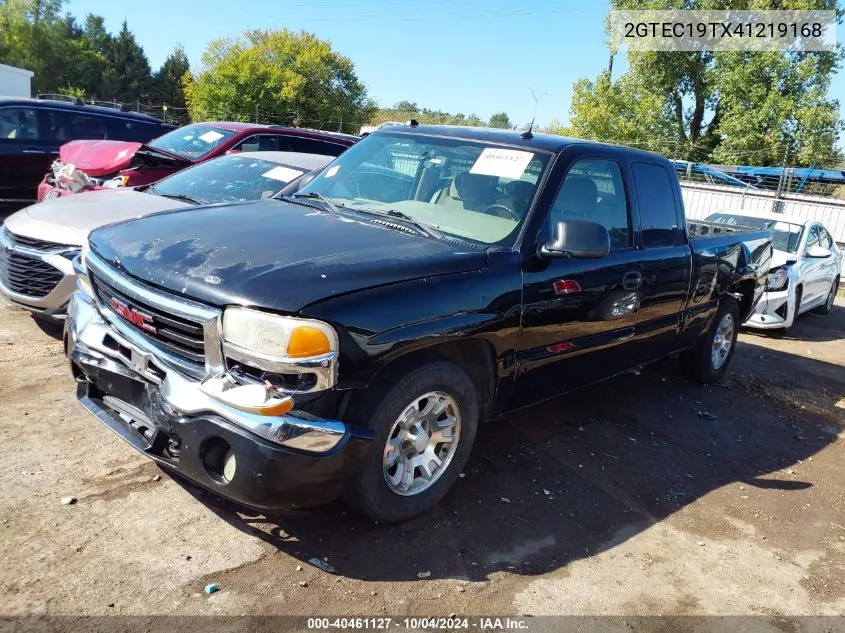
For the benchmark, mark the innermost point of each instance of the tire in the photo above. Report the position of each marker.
(386, 411)
(700, 362)
(827, 306)
(799, 294)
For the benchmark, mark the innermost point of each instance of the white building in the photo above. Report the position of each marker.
(15, 82)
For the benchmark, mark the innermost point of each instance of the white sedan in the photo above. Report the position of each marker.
(804, 274)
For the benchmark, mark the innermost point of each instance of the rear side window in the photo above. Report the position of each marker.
(84, 126)
(130, 130)
(260, 144)
(309, 146)
(658, 214)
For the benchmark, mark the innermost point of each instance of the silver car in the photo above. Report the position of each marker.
(38, 243)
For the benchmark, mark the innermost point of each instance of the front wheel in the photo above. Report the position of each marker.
(425, 422)
(827, 306)
(709, 359)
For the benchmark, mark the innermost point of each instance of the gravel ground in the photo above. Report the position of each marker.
(646, 494)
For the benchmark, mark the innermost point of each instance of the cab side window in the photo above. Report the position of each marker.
(593, 190)
(658, 212)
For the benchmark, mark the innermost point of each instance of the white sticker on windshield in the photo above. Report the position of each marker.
(210, 136)
(506, 163)
(331, 171)
(285, 174)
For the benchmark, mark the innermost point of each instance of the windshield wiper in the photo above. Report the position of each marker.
(179, 196)
(318, 196)
(423, 227)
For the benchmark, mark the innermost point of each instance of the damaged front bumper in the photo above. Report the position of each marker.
(263, 462)
(774, 311)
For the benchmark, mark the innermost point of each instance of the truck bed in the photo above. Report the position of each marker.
(703, 228)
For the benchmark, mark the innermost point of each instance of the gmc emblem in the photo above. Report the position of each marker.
(132, 315)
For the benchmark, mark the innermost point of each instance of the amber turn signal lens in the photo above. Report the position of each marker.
(279, 408)
(306, 341)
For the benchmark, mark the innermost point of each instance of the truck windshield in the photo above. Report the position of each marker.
(785, 235)
(473, 190)
(192, 141)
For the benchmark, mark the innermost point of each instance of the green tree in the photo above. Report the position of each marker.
(33, 36)
(730, 107)
(96, 35)
(169, 80)
(278, 76)
(127, 77)
(501, 120)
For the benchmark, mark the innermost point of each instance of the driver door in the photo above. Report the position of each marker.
(579, 315)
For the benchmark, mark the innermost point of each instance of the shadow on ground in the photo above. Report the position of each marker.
(570, 478)
(810, 327)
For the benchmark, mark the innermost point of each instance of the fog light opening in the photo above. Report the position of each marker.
(218, 459)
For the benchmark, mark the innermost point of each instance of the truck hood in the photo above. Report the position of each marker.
(98, 158)
(273, 254)
(68, 220)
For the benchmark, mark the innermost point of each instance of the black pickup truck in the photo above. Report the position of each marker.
(347, 339)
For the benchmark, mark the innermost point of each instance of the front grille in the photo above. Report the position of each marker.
(175, 334)
(28, 276)
(38, 245)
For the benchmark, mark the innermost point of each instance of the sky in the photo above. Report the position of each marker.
(470, 56)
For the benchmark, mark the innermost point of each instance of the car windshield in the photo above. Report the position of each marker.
(785, 235)
(192, 141)
(473, 190)
(232, 178)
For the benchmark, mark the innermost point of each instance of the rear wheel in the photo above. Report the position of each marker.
(425, 422)
(827, 306)
(709, 359)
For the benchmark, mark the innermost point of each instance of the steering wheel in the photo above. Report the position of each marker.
(495, 207)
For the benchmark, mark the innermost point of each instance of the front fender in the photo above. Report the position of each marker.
(378, 325)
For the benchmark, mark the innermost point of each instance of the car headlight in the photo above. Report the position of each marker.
(277, 337)
(83, 283)
(777, 279)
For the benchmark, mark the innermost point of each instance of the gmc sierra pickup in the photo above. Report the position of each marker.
(347, 339)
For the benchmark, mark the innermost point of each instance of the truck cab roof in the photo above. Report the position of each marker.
(537, 141)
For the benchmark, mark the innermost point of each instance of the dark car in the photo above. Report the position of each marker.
(32, 130)
(135, 164)
(348, 340)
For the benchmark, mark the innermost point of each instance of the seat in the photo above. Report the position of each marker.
(469, 191)
(577, 199)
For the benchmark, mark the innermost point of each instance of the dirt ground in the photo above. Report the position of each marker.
(643, 495)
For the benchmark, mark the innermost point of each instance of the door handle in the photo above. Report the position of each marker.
(34, 151)
(632, 280)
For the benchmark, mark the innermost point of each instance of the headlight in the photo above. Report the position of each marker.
(81, 270)
(277, 337)
(777, 279)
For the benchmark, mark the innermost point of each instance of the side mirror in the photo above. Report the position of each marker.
(818, 252)
(229, 152)
(579, 239)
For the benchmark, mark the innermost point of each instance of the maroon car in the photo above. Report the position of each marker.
(109, 163)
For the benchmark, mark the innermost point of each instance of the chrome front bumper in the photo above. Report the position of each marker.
(53, 304)
(93, 343)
